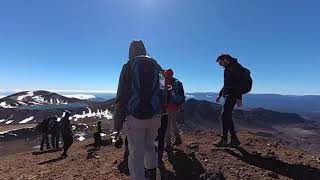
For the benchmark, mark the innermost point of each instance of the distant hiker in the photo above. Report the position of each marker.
(138, 99)
(97, 134)
(176, 98)
(237, 81)
(53, 129)
(43, 129)
(66, 133)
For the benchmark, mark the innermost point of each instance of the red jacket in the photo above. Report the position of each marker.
(169, 83)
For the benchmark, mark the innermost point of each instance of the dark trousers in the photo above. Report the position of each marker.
(226, 116)
(161, 135)
(97, 140)
(67, 142)
(126, 149)
(44, 140)
(55, 138)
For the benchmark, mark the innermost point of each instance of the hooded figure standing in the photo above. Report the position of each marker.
(97, 130)
(66, 133)
(138, 104)
(234, 76)
(173, 108)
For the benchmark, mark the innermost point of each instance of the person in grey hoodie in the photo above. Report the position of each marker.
(141, 132)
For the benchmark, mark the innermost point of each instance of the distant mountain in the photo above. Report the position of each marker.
(283, 103)
(208, 114)
(35, 98)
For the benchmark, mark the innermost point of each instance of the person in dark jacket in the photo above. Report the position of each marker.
(231, 91)
(43, 129)
(66, 133)
(97, 130)
(54, 131)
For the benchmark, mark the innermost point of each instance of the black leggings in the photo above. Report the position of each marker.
(67, 142)
(226, 116)
(162, 133)
(97, 140)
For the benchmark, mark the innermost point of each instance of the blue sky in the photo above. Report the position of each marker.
(82, 44)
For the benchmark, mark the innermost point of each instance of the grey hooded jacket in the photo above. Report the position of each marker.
(137, 48)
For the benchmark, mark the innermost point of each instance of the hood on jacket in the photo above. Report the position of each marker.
(168, 73)
(137, 48)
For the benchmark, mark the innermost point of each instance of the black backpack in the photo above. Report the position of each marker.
(144, 89)
(178, 96)
(246, 81)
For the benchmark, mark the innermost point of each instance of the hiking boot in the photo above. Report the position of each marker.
(152, 174)
(178, 141)
(222, 143)
(234, 142)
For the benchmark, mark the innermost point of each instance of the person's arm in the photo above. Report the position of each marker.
(221, 92)
(121, 100)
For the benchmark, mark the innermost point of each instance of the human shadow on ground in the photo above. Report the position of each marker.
(186, 166)
(294, 171)
(52, 160)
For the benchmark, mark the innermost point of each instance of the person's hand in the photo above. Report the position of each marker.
(239, 102)
(218, 99)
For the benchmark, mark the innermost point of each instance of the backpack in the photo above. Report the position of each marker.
(178, 96)
(144, 88)
(246, 82)
(95, 129)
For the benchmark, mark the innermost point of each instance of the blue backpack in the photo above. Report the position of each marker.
(144, 101)
(178, 96)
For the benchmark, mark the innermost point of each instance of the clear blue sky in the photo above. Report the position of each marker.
(82, 44)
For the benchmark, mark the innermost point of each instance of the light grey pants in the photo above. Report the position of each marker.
(172, 128)
(141, 137)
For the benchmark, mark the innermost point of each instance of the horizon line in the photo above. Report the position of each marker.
(114, 92)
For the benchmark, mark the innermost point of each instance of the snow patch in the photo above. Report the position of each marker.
(81, 136)
(26, 120)
(9, 122)
(5, 105)
(28, 94)
(100, 113)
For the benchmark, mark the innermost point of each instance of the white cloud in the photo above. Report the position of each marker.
(81, 96)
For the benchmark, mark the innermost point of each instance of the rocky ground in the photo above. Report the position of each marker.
(260, 157)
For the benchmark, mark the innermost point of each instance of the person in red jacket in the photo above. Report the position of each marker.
(172, 110)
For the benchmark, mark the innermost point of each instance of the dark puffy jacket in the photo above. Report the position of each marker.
(232, 80)
(65, 127)
(136, 49)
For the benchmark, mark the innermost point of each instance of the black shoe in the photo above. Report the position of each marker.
(234, 143)
(64, 155)
(178, 141)
(222, 143)
(152, 174)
